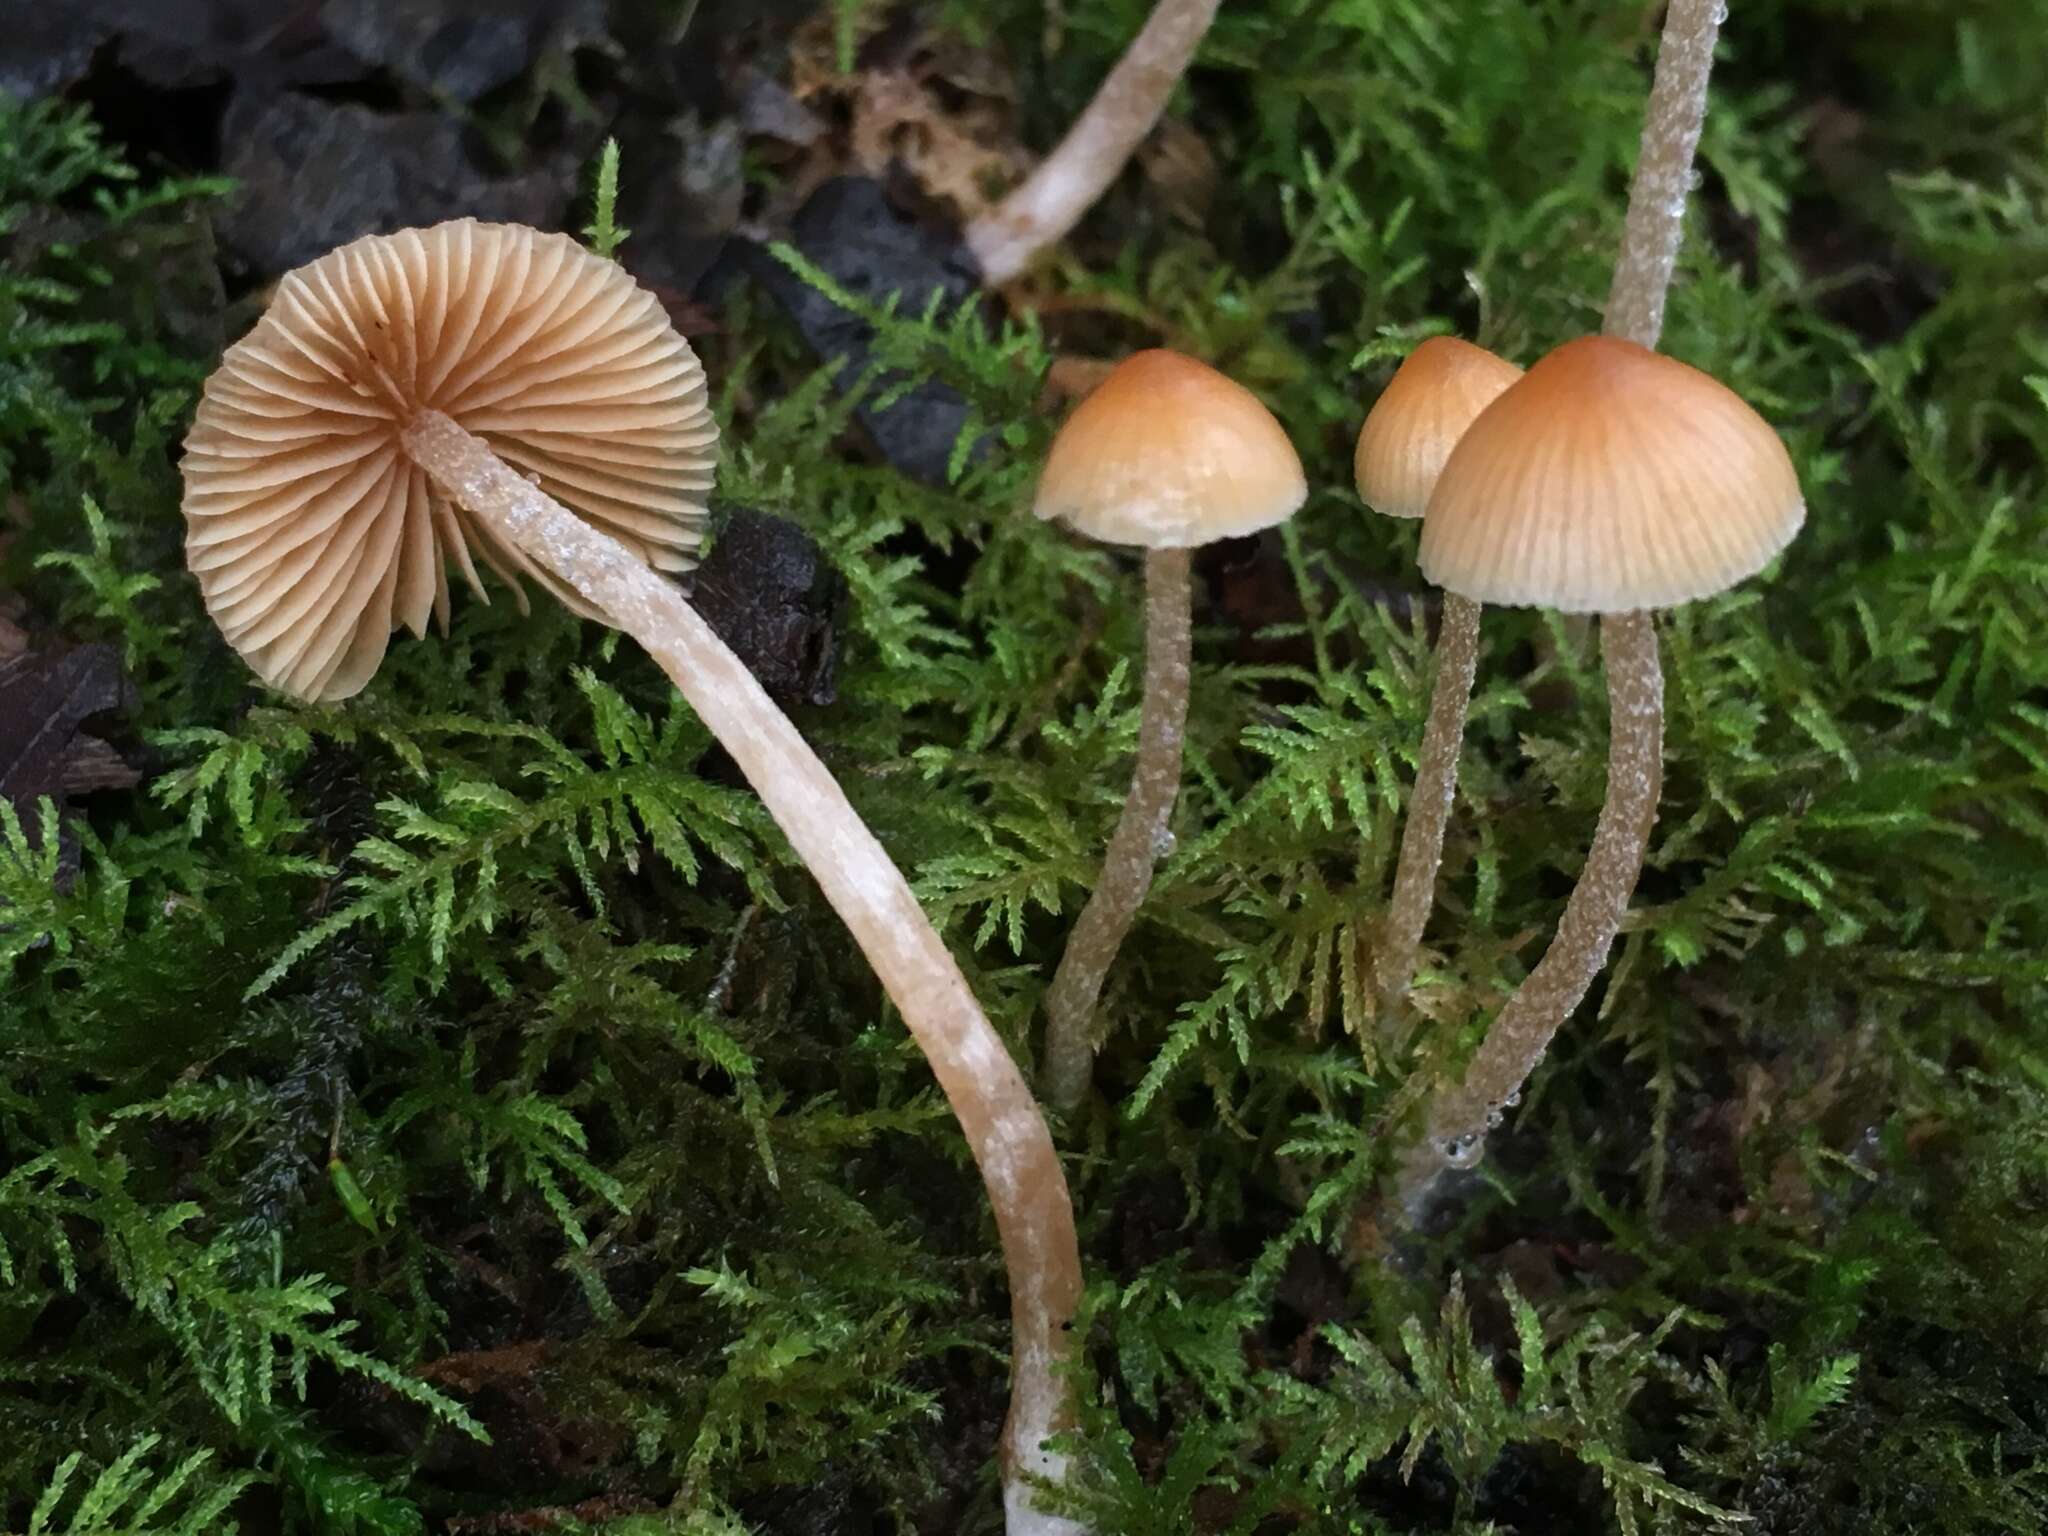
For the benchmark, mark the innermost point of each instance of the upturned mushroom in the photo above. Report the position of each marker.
(1609, 480)
(486, 390)
(1166, 454)
(1436, 393)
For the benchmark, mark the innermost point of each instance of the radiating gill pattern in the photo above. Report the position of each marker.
(313, 536)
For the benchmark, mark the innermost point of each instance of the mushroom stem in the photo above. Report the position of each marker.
(1522, 1031)
(1052, 199)
(1663, 177)
(1002, 1123)
(1429, 806)
(1141, 838)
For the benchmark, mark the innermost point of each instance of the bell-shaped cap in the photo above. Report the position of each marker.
(311, 533)
(1437, 392)
(1168, 453)
(1610, 478)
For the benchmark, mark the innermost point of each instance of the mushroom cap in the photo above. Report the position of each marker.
(1169, 453)
(1610, 478)
(310, 531)
(1437, 392)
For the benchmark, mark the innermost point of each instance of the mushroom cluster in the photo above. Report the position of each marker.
(1608, 480)
(486, 393)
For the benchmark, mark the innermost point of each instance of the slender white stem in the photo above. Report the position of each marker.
(1429, 807)
(1002, 1123)
(1052, 199)
(1139, 839)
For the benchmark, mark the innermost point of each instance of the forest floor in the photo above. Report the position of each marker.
(455, 1110)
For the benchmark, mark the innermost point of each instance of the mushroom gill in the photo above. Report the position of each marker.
(312, 533)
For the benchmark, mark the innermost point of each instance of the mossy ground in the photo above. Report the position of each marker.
(455, 1110)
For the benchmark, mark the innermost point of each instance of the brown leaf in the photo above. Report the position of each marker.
(471, 1370)
(918, 103)
(955, 156)
(46, 697)
(93, 764)
(1182, 169)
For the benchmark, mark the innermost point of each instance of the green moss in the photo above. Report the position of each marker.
(460, 1102)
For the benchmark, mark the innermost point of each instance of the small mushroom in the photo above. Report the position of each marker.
(1609, 480)
(412, 399)
(1436, 393)
(1166, 454)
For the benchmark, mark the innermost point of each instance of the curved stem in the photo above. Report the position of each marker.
(1002, 1123)
(1429, 806)
(1522, 1031)
(1066, 184)
(1140, 839)
(1663, 176)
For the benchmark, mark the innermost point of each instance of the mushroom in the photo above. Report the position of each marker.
(1051, 200)
(313, 530)
(410, 399)
(1609, 480)
(1166, 454)
(1433, 397)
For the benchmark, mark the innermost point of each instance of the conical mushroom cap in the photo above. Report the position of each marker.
(1610, 478)
(311, 533)
(1437, 392)
(1168, 453)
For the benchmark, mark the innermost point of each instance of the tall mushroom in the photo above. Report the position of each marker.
(1166, 454)
(1433, 397)
(1459, 1117)
(410, 399)
(1610, 480)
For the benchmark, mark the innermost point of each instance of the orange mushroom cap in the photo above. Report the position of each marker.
(1610, 478)
(1168, 453)
(1437, 392)
(311, 533)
